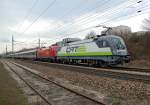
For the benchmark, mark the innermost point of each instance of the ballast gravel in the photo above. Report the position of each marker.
(117, 92)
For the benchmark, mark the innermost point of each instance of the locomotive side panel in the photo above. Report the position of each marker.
(48, 54)
(53, 51)
(84, 49)
(43, 53)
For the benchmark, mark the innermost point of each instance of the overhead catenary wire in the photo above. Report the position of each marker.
(87, 22)
(137, 13)
(87, 18)
(28, 14)
(80, 30)
(66, 14)
(95, 8)
(112, 19)
(44, 11)
(76, 7)
(118, 11)
(70, 11)
(102, 23)
(50, 5)
(105, 15)
(31, 24)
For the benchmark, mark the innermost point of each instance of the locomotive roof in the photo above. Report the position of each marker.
(110, 36)
(90, 40)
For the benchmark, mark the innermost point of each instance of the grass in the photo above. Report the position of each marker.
(10, 93)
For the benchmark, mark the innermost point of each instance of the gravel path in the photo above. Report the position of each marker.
(117, 92)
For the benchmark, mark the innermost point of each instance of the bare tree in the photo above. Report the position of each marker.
(91, 35)
(146, 24)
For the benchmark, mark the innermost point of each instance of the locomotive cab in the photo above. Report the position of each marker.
(117, 45)
(119, 48)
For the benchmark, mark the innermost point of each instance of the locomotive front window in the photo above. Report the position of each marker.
(118, 43)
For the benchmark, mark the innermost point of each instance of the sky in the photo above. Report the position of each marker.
(53, 20)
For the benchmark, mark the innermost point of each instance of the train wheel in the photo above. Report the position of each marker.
(104, 64)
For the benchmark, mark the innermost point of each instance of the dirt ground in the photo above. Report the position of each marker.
(139, 63)
(118, 92)
(10, 93)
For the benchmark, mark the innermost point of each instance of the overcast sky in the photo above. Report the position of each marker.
(28, 20)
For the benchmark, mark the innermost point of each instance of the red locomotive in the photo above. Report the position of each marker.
(49, 53)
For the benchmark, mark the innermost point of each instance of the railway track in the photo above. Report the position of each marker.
(76, 98)
(135, 69)
(124, 73)
(30, 86)
(146, 70)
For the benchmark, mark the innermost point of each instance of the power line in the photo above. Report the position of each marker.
(137, 14)
(28, 13)
(81, 30)
(90, 14)
(72, 9)
(40, 15)
(110, 14)
(100, 23)
(118, 11)
(102, 4)
(88, 28)
(110, 10)
(50, 5)
(67, 13)
(136, 11)
(82, 9)
(35, 21)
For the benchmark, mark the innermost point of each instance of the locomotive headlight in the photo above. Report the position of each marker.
(121, 52)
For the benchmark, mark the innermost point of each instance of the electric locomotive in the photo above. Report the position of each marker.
(102, 50)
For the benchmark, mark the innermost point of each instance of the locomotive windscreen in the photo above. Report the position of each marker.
(118, 43)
